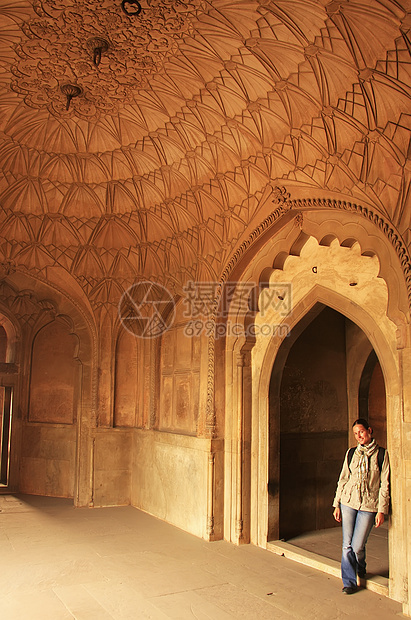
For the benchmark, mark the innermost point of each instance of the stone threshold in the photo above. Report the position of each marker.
(375, 583)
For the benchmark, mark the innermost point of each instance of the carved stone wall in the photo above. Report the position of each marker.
(48, 460)
(179, 380)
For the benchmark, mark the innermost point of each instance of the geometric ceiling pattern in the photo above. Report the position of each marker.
(161, 167)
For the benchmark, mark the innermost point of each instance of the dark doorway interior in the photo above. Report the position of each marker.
(313, 424)
(325, 375)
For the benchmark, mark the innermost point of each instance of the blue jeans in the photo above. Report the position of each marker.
(356, 527)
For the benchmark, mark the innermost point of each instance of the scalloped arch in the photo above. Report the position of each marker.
(328, 219)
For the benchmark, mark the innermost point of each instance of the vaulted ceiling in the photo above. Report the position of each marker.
(166, 157)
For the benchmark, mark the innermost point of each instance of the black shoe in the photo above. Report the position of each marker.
(349, 590)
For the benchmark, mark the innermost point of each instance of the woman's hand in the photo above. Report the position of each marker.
(337, 514)
(379, 519)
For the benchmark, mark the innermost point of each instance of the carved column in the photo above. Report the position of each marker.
(106, 363)
(154, 389)
(210, 495)
(239, 524)
(210, 422)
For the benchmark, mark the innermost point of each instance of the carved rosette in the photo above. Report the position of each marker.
(55, 50)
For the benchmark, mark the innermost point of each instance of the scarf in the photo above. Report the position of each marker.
(364, 453)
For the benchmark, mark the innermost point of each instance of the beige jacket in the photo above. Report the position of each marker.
(378, 484)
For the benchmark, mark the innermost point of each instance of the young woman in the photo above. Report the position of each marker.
(361, 500)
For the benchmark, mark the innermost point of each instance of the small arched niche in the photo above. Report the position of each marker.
(126, 382)
(54, 375)
(47, 463)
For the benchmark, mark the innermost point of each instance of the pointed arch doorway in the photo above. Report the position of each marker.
(324, 376)
(363, 285)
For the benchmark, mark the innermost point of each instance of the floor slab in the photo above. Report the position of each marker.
(61, 563)
(328, 544)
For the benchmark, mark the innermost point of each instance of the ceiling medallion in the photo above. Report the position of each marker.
(70, 91)
(131, 7)
(107, 49)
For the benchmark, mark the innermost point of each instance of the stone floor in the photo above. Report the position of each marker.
(60, 563)
(328, 543)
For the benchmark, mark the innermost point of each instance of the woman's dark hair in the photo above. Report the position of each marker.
(362, 422)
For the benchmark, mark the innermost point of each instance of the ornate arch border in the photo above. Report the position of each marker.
(294, 208)
(288, 205)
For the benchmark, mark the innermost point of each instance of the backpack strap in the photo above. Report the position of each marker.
(380, 457)
(350, 454)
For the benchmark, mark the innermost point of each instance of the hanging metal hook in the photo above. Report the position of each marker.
(70, 91)
(127, 5)
(97, 46)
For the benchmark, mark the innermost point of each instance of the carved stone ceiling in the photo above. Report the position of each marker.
(167, 159)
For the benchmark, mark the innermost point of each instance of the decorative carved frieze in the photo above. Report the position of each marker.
(24, 304)
(286, 204)
(94, 45)
(301, 205)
